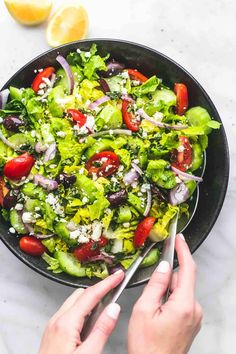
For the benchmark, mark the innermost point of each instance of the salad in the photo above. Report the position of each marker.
(95, 158)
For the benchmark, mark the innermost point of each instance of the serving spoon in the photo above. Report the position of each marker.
(167, 255)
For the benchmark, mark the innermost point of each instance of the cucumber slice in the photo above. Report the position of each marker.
(151, 258)
(197, 157)
(69, 264)
(17, 222)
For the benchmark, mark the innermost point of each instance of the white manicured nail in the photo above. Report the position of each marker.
(118, 272)
(113, 311)
(182, 237)
(163, 267)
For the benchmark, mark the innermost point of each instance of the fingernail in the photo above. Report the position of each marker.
(80, 290)
(118, 272)
(113, 311)
(181, 236)
(163, 267)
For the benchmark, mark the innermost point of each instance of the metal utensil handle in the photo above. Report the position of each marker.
(169, 251)
(114, 295)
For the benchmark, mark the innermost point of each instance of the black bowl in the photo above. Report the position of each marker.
(150, 62)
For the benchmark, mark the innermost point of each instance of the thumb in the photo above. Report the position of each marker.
(157, 285)
(102, 330)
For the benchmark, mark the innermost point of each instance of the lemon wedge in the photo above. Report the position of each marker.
(29, 12)
(69, 23)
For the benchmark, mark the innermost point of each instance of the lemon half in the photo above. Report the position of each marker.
(68, 24)
(29, 12)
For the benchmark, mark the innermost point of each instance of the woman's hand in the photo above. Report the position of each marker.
(170, 328)
(62, 334)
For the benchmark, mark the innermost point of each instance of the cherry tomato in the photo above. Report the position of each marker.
(90, 249)
(136, 75)
(142, 231)
(46, 73)
(31, 245)
(181, 92)
(182, 158)
(19, 167)
(3, 190)
(129, 118)
(77, 117)
(103, 164)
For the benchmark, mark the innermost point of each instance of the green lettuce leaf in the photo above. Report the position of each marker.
(110, 117)
(53, 263)
(120, 232)
(87, 188)
(159, 172)
(94, 64)
(148, 86)
(82, 216)
(160, 230)
(96, 209)
(88, 90)
(55, 244)
(125, 157)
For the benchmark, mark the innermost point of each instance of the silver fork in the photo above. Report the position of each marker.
(113, 296)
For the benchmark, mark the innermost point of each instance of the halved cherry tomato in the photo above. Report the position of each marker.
(3, 190)
(77, 117)
(103, 164)
(129, 118)
(182, 157)
(142, 231)
(90, 249)
(19, 167)
(136, 75)
(181, 92)
(46, 73)
(31, 245)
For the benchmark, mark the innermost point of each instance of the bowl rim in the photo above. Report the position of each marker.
(53, 277)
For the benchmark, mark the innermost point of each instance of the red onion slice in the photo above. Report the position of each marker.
(160, 124)
(97, 103)
(61, 60)
(130, 177)
(48, 184)
(137, 168)
(186, 176)
(113, 132)
(179, 194)
(149, 202)
(3, 98)
(100, 257)
(127, 98)
(50, 152)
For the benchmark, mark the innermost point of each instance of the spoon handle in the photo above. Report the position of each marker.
(114, 295)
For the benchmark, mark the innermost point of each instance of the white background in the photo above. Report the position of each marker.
(200, 35)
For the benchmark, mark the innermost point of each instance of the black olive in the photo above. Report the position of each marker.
(104, 86)
(13, 123)
(117, 198)
(66, 180)
(9, 200)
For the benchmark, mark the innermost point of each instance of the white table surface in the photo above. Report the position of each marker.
(200, 35)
